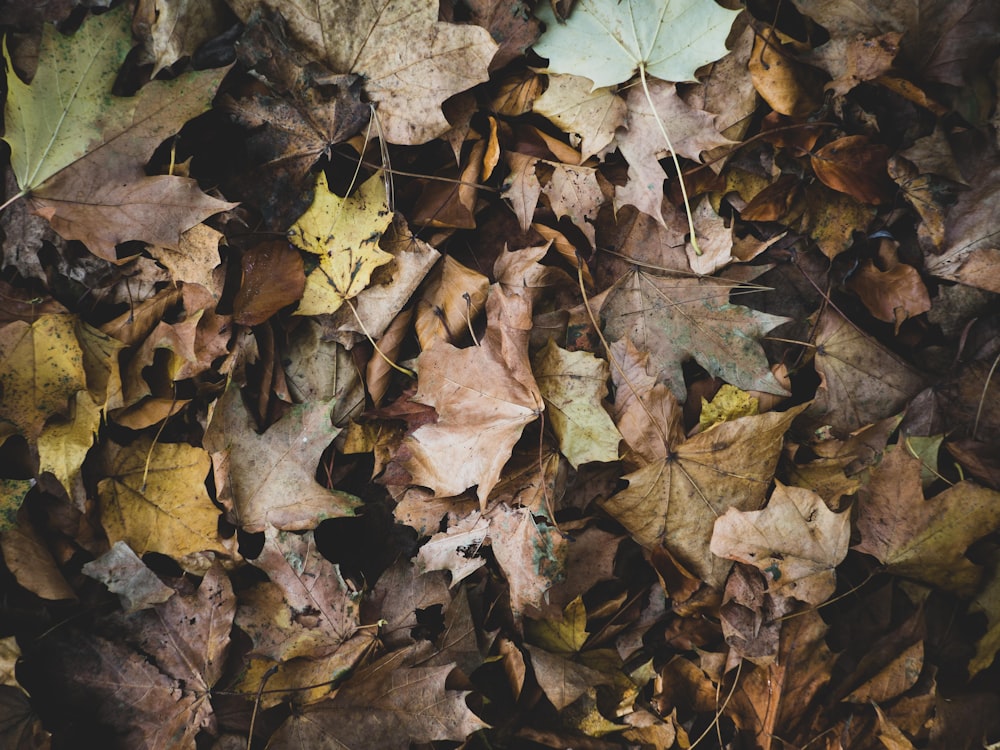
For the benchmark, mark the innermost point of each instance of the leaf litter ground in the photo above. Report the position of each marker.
(371, 379)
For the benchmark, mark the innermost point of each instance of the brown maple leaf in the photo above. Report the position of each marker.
(484, 396)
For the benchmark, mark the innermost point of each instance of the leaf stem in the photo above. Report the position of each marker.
(13, 198)
(673, 155)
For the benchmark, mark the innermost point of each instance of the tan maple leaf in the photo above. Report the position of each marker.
(484, 396)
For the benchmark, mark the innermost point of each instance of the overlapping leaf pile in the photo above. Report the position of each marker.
(362, 384)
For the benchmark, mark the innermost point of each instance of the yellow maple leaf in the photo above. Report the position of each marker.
(344, 233)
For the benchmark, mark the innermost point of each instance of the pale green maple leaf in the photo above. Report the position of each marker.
(608, 40)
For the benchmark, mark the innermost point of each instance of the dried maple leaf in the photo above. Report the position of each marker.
(79, 152)
(388, 704)
(409, 60)
(516, 538)
(305, 111)
(925, 539)
(154, 498)
(862, 381)
(155, 694)
(125, 574)
(41, 368)
(679, 318)
(305, 621)
(573, 385)
(484, 396)
(796, 542)
(692, 132)
(590, 117)
(344, 233)
(270, 478)
(676, 500)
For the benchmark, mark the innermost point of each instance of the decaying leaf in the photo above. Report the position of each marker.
(925, 539)
(344, 233)
(796, 542)
(678, 318)
(409, 60)
(269, 479)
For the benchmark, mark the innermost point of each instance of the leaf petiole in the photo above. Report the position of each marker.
(673, 155)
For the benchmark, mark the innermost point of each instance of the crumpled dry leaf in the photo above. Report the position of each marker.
(269, 479)
(409, 60)
(925, 539)
(484, 396)
(796, 542)
(678, 318)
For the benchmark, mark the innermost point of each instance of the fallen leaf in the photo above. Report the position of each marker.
(590, 117)
(306, 619)
(388, 704)
(607, 41)
(515, 537)
(125, 574)
(925, 539)
(641, 142)
(574, 192)
(59, 142)
(410, 61)
(856, 166)
(680, 318)
(484, 396)
(795, 541)
(972, 240)
(273, 277)
(174, 30)
(674, 501)
(63, 445)
(453, 296)
(41, 369)
(153, 498)
(269, 479)
(573, 385)
(862, 381)
(896, 678)
(456, 549)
